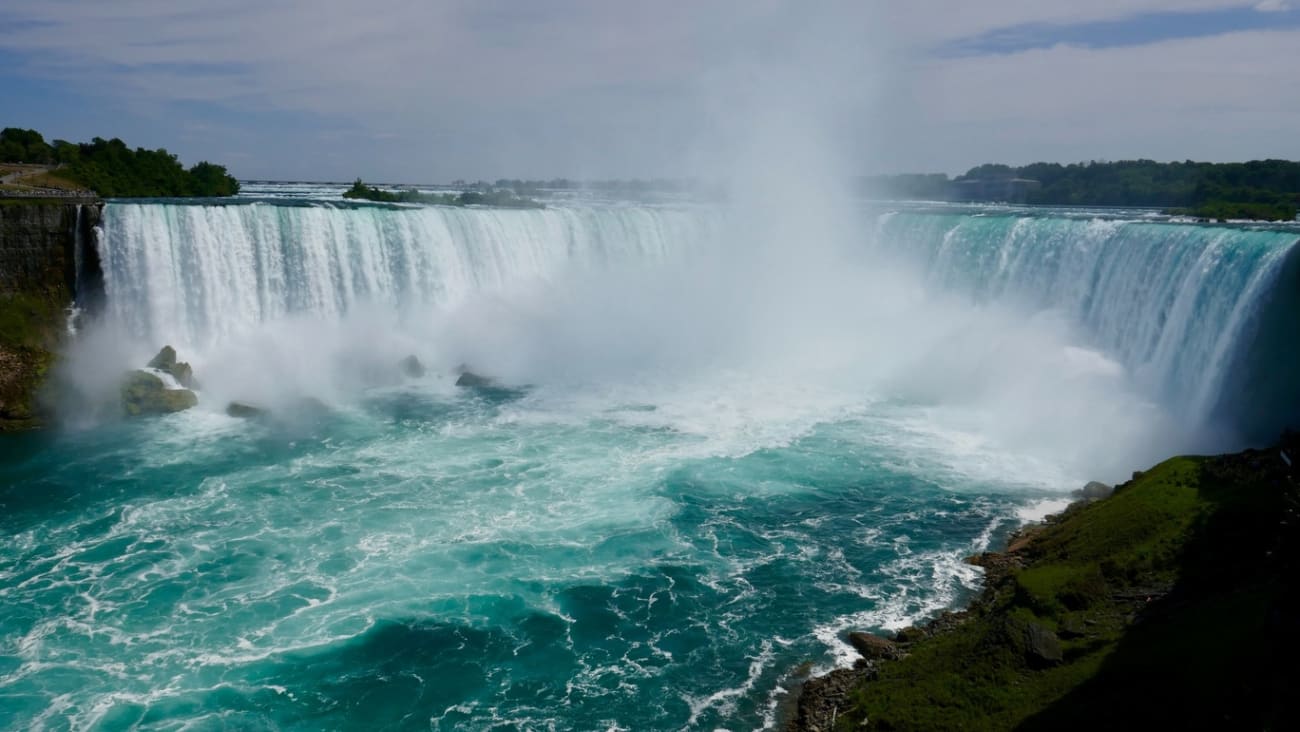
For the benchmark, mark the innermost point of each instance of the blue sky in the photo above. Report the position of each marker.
(427, 91)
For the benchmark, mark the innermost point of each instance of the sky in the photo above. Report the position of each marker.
(428, 91)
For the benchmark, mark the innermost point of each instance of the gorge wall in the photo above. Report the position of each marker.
(48, 266)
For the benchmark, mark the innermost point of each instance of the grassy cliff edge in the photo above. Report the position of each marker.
(1170, 604)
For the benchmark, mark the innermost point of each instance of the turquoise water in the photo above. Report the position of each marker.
(706, 462)
(493, 559)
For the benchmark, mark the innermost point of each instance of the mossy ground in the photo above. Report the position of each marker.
(1173, 600)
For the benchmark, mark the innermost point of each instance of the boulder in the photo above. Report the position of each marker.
(244, 411)
(471, 379)
(1042, 647)
(412, 367)
(873, 647)
(1072, 628)
(1094, 491)
(143, 393)
(180, 370)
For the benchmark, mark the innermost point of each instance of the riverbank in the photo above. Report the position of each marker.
(1171, 604)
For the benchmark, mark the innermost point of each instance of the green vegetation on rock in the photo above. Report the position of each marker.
(1170, 605)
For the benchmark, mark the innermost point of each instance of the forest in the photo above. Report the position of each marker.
(113, 170)
(1263, 189)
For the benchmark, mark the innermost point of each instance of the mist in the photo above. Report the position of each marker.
(784, 294)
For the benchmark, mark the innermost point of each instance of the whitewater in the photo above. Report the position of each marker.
(713, 445)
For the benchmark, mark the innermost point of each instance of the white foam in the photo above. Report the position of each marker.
(1039, 510)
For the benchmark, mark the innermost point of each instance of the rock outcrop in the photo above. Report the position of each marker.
(1094, 491)
(873, 647)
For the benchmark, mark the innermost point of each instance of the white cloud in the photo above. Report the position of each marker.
(1217, 98)
(1273, 6)
(580, 87)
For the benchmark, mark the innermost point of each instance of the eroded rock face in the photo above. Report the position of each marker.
(824, 699)
(43, 245)
(143, 393)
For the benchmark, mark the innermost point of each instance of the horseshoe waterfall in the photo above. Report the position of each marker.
(701, 442)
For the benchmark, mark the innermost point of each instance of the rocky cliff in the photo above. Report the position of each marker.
(48, 263)
(1171, 604)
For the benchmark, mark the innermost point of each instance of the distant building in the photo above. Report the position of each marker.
(1011, 190)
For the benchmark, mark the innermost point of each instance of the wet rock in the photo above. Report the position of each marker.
(143, 393)
(412, 367)
(873, 647)
(824, 699)
(471, 379)
(180, 370)
(1094, 491)
(910, 634)
(165, 359)
(244, 411)
(1042, 647)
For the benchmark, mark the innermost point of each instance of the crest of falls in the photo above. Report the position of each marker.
(193, 274)
(1203, 317)
(1200, 317)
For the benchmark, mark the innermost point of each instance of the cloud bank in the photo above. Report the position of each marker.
(418, 91)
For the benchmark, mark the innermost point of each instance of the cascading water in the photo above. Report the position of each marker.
(725, 456)
(1176, 304)
(195, 273)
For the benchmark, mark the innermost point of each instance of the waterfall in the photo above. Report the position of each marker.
(1197, 315)
(191, 274)
(1179, 305)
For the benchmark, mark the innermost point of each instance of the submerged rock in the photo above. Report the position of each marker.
(244, 411)
(412, 367)
(143, 393)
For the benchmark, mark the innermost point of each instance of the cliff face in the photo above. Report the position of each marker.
(1171, 604)
(48, 261)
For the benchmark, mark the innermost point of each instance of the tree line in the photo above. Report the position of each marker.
(1259, 188)
(114, 170)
